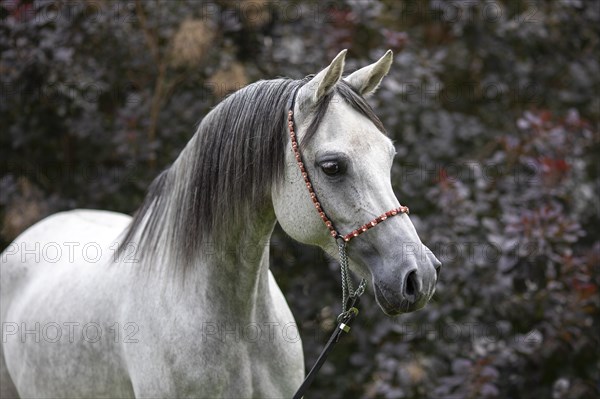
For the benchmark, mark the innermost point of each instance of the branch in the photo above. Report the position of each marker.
(150, 35)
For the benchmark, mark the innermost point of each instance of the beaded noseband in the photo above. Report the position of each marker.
(350, 297)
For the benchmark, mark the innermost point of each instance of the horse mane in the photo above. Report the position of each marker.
(225, 171)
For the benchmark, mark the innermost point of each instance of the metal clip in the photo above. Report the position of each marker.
(344, 327)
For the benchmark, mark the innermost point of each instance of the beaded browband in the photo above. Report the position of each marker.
(332, 230)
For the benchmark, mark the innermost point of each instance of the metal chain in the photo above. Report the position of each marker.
(347, 285)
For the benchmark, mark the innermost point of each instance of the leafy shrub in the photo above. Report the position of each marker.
(494, 109)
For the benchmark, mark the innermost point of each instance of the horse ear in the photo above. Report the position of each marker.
(324, 81)
(366, 80)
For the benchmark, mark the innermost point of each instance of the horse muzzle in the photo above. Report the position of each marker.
(411, 292)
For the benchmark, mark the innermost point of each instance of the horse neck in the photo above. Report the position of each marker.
(233, 272)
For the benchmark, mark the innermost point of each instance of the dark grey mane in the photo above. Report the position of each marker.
(225, 171)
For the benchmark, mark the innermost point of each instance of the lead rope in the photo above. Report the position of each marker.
(350, 301)
(347, 286)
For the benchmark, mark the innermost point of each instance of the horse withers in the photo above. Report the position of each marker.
(178, 301)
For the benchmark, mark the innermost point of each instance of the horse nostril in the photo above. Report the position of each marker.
(411, 287)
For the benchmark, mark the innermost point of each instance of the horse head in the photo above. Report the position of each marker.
(349, 158)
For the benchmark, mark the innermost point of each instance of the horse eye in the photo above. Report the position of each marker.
(330, 168)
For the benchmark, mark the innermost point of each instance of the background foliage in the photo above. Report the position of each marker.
(494, 108)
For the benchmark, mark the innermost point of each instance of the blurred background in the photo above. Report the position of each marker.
(494, 109)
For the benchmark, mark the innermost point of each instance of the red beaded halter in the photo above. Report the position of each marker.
(350, 297)
(332, 230)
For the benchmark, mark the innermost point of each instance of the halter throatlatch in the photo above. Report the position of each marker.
(350, 296)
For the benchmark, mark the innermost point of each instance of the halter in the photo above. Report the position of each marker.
(332, 230)
(350, 297)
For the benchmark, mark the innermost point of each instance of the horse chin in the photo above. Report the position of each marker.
(395, 308)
